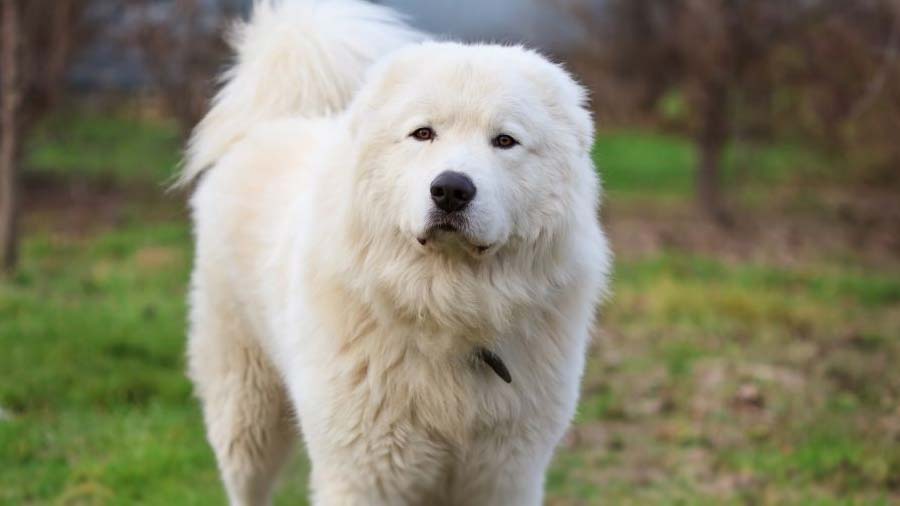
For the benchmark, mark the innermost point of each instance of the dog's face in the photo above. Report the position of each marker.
(464, 148)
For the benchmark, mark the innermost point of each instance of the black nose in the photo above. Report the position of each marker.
(452, 191)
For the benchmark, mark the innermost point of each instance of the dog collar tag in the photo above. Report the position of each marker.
(494, 362)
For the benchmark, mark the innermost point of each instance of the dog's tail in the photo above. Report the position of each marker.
(293, 58)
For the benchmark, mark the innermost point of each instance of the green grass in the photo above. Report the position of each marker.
(657, 164)
(817, 346)
(96, 406)
(713, 381)
(639, 161)
(117, 148)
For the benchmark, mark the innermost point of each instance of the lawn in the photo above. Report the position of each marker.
(118, 147)
(714, 378)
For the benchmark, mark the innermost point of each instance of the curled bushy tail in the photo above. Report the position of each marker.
(293, 58)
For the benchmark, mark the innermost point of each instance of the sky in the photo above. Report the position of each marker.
(540, 23)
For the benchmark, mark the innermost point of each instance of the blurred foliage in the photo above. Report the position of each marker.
(826, 72)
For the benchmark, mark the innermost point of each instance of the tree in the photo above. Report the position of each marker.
(10, 100)
(851, 77)
(714, 54)
(725, 49)
(183, 49)
(824, 69)
(36, 47)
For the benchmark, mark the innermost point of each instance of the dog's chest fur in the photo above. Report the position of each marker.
(421, 396)
(415, 374)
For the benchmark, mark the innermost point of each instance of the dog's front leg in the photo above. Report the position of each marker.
(503, 471)
(393, 466)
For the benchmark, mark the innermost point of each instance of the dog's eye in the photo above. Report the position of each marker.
(504, 141)
(423, 134)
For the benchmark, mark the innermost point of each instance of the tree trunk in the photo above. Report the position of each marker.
(710, 146)
(10, 97)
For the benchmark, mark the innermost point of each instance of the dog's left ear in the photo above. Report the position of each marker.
(570, 99)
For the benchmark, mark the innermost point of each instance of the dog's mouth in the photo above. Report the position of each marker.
(446, 228)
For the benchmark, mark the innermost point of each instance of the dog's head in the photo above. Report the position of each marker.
(466, 148)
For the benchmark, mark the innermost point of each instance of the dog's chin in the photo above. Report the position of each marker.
(450, 238)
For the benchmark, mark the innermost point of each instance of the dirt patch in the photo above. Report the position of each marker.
(787, 229)
(156, 257)
(77, 208)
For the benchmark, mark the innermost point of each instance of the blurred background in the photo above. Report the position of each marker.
(751, 159)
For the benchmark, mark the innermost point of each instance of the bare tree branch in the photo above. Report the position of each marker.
(10, 102)
(877, 84)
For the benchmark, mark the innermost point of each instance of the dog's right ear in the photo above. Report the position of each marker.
(574, 102)
(570, 100)
(580, 115)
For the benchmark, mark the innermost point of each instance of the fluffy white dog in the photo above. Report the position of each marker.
(397, 250)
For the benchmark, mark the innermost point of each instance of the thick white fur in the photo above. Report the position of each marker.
(296, 58)
(313, 302)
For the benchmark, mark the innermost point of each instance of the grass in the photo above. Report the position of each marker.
(734, 384)
(636, 162)
(714, 380)
(109, 148)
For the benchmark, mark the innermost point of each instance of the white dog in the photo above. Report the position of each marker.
(397, 250)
